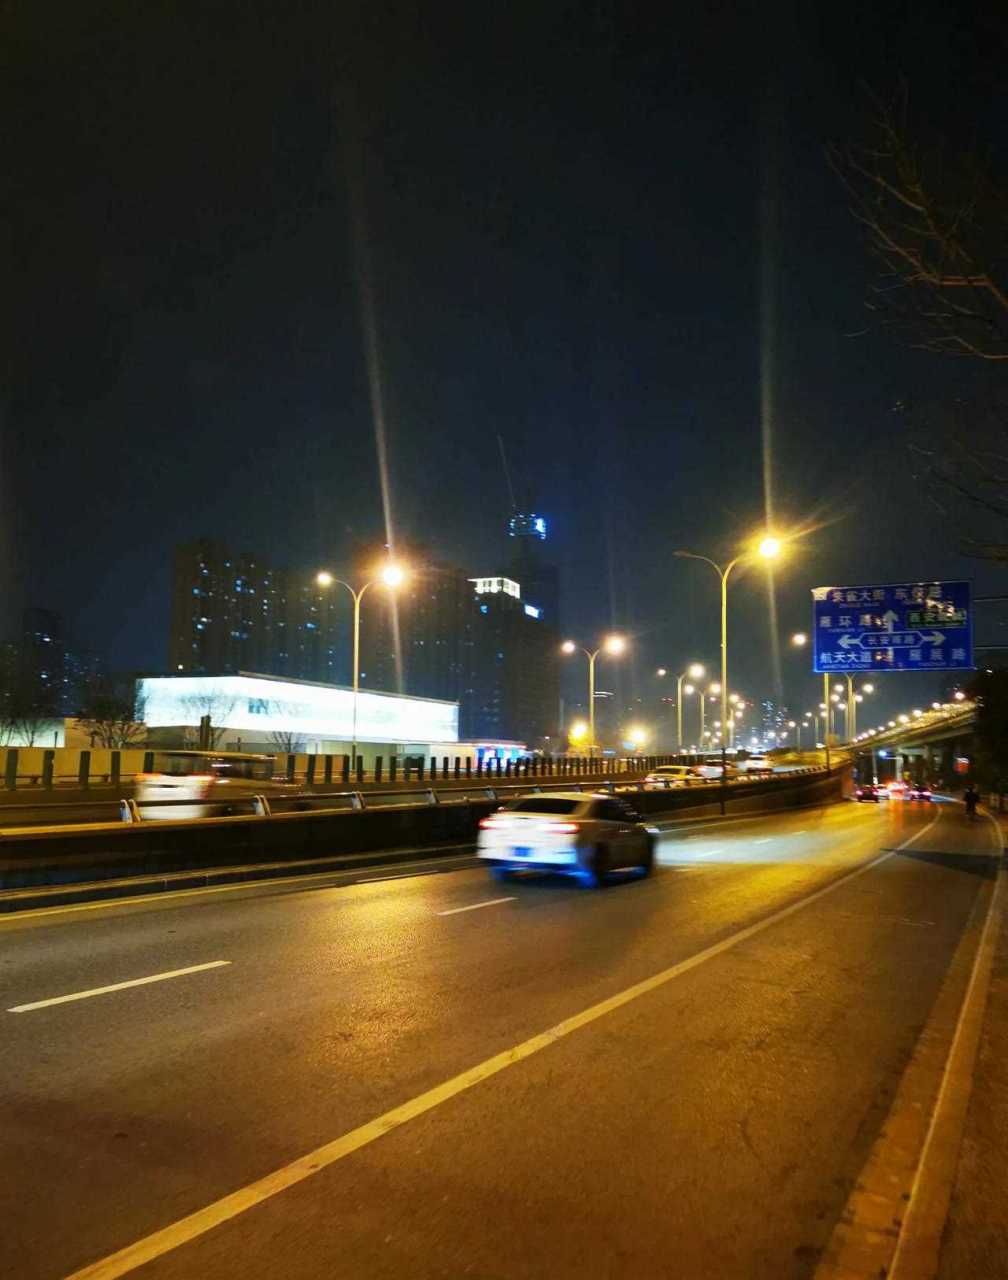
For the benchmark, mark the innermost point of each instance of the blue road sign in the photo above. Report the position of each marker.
(907, 626)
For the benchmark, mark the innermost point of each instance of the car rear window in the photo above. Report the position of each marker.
(612, 811)
(545, 804)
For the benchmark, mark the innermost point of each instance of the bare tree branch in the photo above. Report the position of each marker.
(938, 229)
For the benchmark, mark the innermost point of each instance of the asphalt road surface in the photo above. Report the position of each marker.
(424, 1073)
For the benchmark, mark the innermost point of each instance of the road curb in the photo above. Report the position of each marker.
(18, 900)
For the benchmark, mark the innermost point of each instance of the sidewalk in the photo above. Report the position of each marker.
(975, 1239)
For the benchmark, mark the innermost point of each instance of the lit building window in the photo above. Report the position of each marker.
(492, 586)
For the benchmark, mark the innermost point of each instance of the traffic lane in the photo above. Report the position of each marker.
(311, 939)
(86, 950)
(376, 1013)
(712, 1127)
(109, 945)
(83, 937)
(322, 948)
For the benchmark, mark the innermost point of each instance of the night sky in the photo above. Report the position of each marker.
(584, 227)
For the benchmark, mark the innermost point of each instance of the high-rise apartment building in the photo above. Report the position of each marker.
(234, 612)
(486, 643)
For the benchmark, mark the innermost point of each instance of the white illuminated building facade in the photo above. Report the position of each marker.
(258, 711)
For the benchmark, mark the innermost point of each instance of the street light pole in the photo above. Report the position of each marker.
(695, 671)
(613, 645)
(391, 576)
(826, 704)
(851, 709)
(591, 700)
(768, 548)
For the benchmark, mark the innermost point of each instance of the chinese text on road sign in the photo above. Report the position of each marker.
(908, 626)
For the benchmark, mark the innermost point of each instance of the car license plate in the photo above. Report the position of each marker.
(521, 851)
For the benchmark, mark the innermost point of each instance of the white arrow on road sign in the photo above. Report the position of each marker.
(905, 640)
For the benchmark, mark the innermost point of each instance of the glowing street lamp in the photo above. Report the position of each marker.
(769, 549)
(711, 692)
(695, 671)
(391, 576)
(799, 639)
(612, 645)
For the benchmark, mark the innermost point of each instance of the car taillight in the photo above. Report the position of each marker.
(562, 828)
(490, 822)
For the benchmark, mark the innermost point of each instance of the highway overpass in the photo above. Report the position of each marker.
(929, 743)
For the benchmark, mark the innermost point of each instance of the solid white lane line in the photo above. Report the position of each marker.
(118, 986)
(197, 1224)
(475, 906)
(765, 840)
